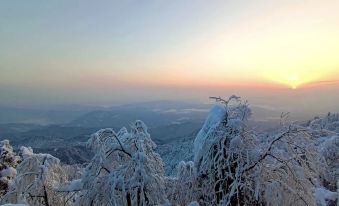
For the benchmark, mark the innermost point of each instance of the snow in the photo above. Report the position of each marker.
(323, 196)
(37, 174)
(74, 185)
(123, 134)
(14, 205)
(8, 163)
(329, 122)
(235, 143)
(4, 145)
(26, 152)
(286, 167)
(214, 118)
(6, 148)
(123, 163)
(330, 147)
(8, 172)
(195, 203)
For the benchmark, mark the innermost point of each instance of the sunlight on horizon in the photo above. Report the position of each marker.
(68, 55)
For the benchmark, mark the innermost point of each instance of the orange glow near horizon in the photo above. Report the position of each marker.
(291, 47)
(268, 45)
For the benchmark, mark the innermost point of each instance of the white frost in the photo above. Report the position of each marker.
(14, 205)
(195, 203)
(26, 152)
(75, 185)
(214, 118)
(323, 196)
(9, 172)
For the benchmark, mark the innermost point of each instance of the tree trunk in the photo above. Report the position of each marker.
(129, 201)
(45, 197)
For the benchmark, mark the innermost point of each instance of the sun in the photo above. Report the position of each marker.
(293, 81)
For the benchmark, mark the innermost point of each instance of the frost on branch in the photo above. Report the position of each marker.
(8, 163)
(181, 189)
(329, 149)
(125, 169)
(329, 122)
(235, 166)
(214, 119)
(325, 197)
(38, 175)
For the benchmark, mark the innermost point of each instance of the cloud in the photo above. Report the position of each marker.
(323, 82)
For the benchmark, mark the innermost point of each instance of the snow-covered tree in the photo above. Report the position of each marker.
(232, 165)
(124, 171)
(329, 122)
(329, 149)
(38, 176)
(181, 190)
(324, 132)
(235, 166)
(8, 163)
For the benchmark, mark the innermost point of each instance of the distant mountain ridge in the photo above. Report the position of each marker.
(77, 114)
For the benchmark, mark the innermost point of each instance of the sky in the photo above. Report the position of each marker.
(277, 53)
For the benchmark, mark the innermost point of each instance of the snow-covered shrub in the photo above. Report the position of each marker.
(330, 151)
(8, 163)
(325, 197)
(329, 122)
(195, 203)
(214, 161)
(125, 169)
(38, 176)
(174, 152)
(181, 190)
(233, 165)
(325, 131)
(236, 167)
(291, 169)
